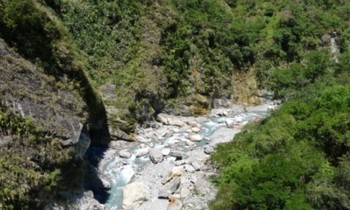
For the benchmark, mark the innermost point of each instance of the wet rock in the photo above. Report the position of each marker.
(106, 183)
(156, 156)
(134, 194)
(124, 153)
(195, 137)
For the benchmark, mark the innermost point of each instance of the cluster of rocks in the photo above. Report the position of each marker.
(178, 173)
(175, 183)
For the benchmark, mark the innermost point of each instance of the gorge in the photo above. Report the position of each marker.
(173, 102)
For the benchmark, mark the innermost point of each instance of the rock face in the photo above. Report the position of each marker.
(26, 90)
(134, 195)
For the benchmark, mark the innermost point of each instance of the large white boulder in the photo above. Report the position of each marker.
(195, 137)
(134, 194)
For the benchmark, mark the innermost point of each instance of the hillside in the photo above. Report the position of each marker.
(75, 72)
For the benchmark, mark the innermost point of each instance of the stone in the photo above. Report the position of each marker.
(142, 152)
(177, 171)
(119, 135)
(189, 143)
(167, 178)
(124, 153)
(170, 120)
(196, 166)
(195, 137)
(195, 129)
(134, 194)
(208, 149)
(155, 155)
(193, 179)
(174, 203)
(165, 151)
(169, 188)
(189, 168)
(230, 123)
(177, 154)
(106, 183)
(143, 139)
(180, 162)
(175, 184)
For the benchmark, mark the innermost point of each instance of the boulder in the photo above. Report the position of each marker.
(174, 203)
(208, 149)
(143, 139)
(142, 152)
(177, 171)
(170, 120)
(134, 194)
(106, 183)
(178, 155)
(195, 137)
(165, 151)
(196, 166)
(155, 155)
(230, 123)
(169, 188)
(189, 168)
(119, 134)
(195, 129)
(124, 153)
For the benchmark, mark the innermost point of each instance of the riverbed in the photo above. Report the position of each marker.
(169, 160)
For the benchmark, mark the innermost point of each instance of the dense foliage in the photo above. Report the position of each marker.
(29, 163)
(143, 56)
(298, 158)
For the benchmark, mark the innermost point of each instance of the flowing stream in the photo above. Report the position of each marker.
(121, 171)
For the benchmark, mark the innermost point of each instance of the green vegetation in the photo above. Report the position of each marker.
(142, 57)
(29, 163)
(298, 157)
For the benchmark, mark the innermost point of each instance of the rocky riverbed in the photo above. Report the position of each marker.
(167, 167)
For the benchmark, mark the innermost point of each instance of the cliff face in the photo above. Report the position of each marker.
(28, 92)
(76, 72)
(41, 122)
